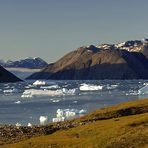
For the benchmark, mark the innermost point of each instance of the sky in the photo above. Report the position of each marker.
(51, 28)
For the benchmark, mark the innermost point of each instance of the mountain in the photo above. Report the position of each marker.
(31, 63)
(6, 76)
(120, 61)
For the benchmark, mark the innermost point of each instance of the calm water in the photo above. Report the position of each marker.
(24, 103)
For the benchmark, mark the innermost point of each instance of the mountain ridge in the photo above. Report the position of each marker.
(29, 62)
(106, 61)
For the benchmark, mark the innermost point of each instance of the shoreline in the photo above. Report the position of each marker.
(12, 134)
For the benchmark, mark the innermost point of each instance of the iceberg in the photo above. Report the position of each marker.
(58, 119)
(17, 102)
(30, 93)
(90, 87)
(43, 120)
(18, 125)
(39, 83)
(29, 125)
(50, 87)
(64, 114)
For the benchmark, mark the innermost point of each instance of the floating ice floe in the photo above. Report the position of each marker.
(112, 86)
(50, 87)
(29, 93)
(55, 101)
(143, 90)
(64, 114)
(58, 119)
(17, 102)
(11, 90)
(90, 87)
(43, 120)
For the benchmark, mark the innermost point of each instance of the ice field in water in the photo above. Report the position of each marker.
(39, 102)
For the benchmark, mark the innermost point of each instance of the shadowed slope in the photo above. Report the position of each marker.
(6, 76)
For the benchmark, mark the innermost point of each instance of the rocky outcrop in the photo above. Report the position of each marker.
(95, 63)
(6, 76)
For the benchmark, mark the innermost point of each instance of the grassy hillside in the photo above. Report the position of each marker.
(120, 126)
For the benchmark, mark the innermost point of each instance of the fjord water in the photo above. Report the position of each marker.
(17, 106)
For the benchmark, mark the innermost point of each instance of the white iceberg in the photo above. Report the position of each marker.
(17, 102)
(39, 83)
(34, 93)
(29, 93)
(58, 119)
(50, 87)
(90, 87)
(82, 111)
(43, 120)
(18, 125)
(29, 125)
(70, 114)
(70, 91)
(64, 114)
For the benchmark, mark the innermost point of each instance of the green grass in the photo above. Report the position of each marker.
(120, 126)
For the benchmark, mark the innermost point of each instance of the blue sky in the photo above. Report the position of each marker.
(51, 28)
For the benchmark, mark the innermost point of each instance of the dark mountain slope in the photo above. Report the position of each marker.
(6, 76)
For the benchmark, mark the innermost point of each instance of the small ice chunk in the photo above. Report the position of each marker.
(60, 113)
(27, 94)
(70, 114)
(82, 111)
(58, 119)
(75, 102)
(55, 101)
(18, 124)
(43, 120)
(17, 102)
(29, 125)
(50, 87)
(69, 91)
(90, 87)
(112, 86)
